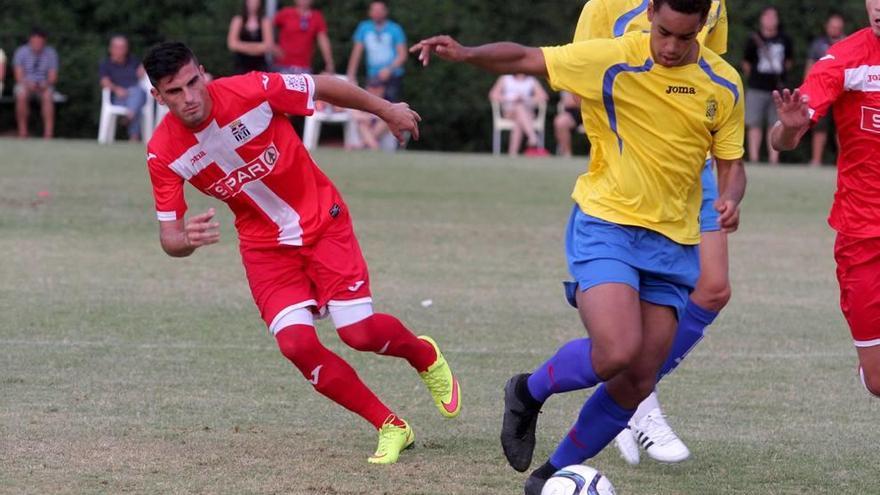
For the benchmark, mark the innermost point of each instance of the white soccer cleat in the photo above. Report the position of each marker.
(627, 446)
(655, 435)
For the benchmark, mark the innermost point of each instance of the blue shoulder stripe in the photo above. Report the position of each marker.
(624, 20)
(608, 92)
(719, 80)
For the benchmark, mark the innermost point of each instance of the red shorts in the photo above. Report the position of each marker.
(332, 271)
(858, 272)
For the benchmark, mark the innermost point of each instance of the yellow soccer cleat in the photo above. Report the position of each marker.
(442, 384)
(393, 440)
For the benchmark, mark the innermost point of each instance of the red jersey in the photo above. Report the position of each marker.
(247, 154)
(297, 34)
(847, 80)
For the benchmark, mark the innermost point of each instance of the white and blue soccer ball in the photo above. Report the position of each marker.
(578, 480)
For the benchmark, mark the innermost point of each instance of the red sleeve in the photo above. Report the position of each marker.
(824, 84)
(280, 18)
(289, 93)
(320, 23)
(167, 189)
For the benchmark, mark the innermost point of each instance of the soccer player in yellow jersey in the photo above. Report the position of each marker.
(602, 19)
(656, 104)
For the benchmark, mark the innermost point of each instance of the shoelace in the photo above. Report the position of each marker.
(385, 439)
(659, 430)
(435, 381)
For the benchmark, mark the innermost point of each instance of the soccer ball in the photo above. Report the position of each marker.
(578, 480)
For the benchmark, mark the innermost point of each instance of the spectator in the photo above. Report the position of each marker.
(384, 42)
(36, 73)
(567, 120)
(2, 69)
(768, 57)
(833, 33)
(298, 28)
(519, 96)
(371, 128)
(121, 73)
(250, 37)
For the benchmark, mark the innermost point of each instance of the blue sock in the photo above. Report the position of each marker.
(691, 328)
(571, 368)
(600, 420)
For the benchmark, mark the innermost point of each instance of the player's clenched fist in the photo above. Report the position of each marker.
(401, 119)
(200, 230)
(728, 217)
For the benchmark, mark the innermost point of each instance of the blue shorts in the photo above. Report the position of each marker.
(663, 271)
(708, 214)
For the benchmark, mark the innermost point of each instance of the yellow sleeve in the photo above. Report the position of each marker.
(716, 39)
(593, 22)
(728, 140)
(578, 67)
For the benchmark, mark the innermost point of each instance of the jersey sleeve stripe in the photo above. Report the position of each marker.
(166, 216)
(310, 84)
(608, 92)
(623, 21)
(720, 80)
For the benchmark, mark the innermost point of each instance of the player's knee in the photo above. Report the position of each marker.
(713, 295)
(611, 360)
(297, 343)
(357, 335)
(871, 381)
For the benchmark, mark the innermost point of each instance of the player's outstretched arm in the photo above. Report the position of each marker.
(731, 189)
(180, 238)
(399, 116)
(794, 119)
(499, 58)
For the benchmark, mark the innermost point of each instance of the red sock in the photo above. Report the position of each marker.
(385, 334)
(330, 374)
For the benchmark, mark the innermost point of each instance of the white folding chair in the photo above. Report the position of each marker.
(329, 114)
(110, 113)
(501, 124)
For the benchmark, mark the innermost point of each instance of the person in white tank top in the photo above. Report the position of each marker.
(519, 95)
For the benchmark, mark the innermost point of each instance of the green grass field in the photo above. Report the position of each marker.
(125, 371)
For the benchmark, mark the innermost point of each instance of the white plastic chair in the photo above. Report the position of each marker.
(500, 124)
(110, 113)
(329, 114)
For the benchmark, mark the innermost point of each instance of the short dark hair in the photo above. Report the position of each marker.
(701, 7)
(38, 31)
(165, 59)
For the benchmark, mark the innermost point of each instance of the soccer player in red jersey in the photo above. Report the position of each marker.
(847, 80)
(232, 140)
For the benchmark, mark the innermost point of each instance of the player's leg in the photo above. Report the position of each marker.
(820, 138)
(524, 117)
(608, 410)
(869, 368)
(339, 272)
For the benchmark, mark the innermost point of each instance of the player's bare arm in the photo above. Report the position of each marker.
(731, 189)
(793, 109)
(180, 238)
(399, 116)
(499, 58)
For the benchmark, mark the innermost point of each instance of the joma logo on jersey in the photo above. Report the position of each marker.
(234, 181)
(873, 78)
(239, 131)
(681, 90)
(871, 119)
(198, 156)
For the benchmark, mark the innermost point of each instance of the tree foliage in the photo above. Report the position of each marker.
(452, 99)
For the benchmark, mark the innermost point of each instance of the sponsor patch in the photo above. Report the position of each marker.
(871, 119)
(295, 82)
(257, 169)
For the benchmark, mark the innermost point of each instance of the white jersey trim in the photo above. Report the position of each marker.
(296, 316)
(865, 78)
(866, 343)
(166, 216)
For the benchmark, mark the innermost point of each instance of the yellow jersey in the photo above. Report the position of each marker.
(614, 18)
(650, 128)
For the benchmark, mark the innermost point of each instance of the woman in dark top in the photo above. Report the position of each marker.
(250, 37)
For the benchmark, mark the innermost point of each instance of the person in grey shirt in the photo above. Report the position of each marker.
(36, 73)
(834, 32)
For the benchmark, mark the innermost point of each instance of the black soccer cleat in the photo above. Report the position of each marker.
(536, 481)
(519, 424)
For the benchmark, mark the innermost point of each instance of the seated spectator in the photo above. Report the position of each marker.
(250, 37)
(384, 42)
(36, 73)
(121, 73)
(371, 128)
(2, 69)
(519, 96)
(298, 29)
(567, 120)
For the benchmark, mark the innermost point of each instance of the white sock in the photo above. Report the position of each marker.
(649, 404)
